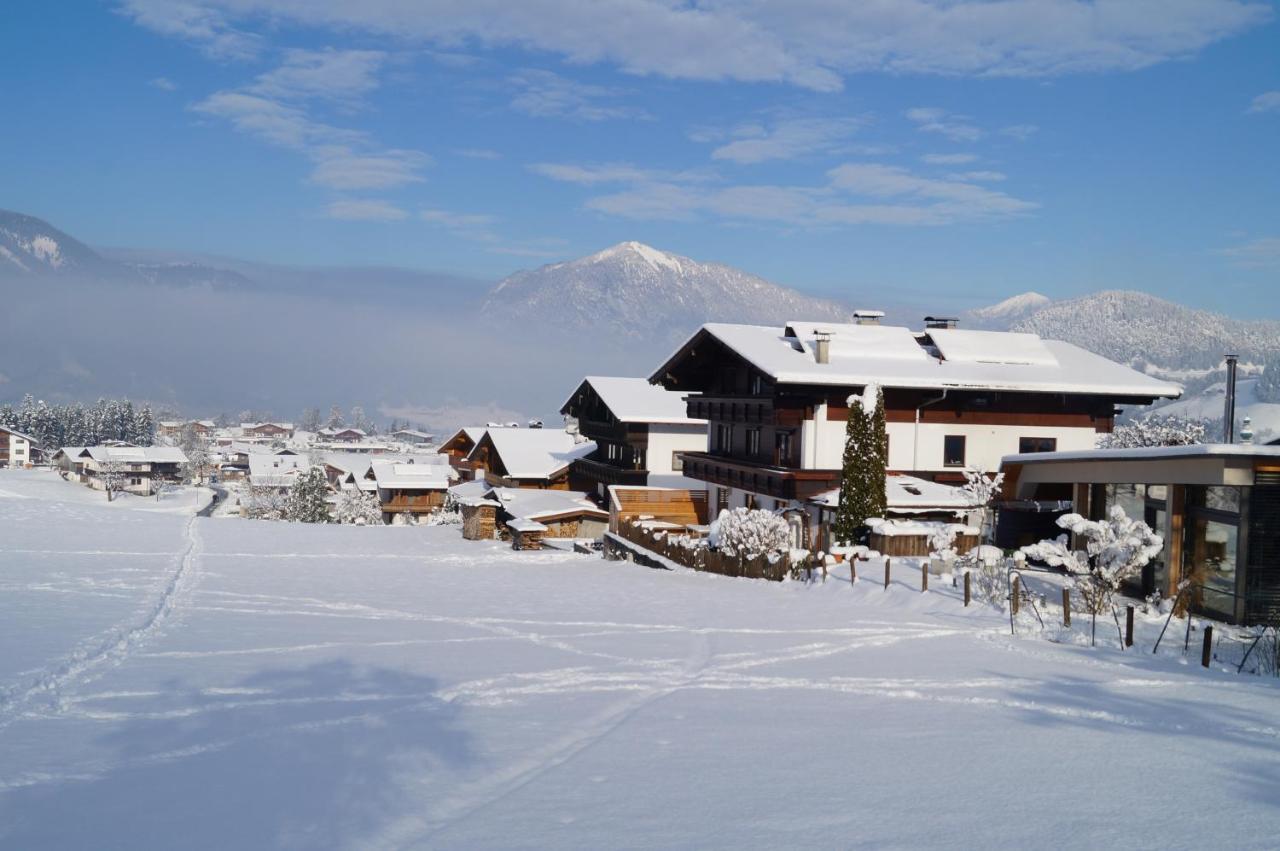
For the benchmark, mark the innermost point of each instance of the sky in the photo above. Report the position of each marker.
(847, 149)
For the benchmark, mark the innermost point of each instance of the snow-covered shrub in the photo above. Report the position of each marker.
(942, 542)
(262, 503)
(750, 532)
(357, 508)
(450, 514)
(306, 502)
(1115, 550)
(1155, 430)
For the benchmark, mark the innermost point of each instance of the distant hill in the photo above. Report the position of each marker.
(641, 293)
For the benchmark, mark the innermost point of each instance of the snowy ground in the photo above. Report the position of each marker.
(167, 681)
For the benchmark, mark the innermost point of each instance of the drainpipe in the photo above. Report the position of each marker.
(915, 435)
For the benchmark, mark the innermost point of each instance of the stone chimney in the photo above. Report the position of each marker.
(822, 350)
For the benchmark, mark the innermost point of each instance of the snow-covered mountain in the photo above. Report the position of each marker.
(31, 247)
(1005, 313)
(638, 292)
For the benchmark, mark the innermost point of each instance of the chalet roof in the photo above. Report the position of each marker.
(250, 426)
(16, 433)
(905, 494)
(635, 400)
(535, 453)
(275, 470)
(475, 492)
(531, 504)
(136, 454)
(405, 476)
(471, 433)
(895, 356)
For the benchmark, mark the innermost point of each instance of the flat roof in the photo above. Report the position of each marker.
(1147, 453)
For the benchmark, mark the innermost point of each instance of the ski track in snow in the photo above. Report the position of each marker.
(119, 642)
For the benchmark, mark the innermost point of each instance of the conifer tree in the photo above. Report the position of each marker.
(306, 502)
(862, 493)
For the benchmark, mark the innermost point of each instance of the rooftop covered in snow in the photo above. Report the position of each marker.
(634, 400)
(939, 358)
(533, 453)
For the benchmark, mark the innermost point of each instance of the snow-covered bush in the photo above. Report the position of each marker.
(1115, 550)
(982, 490)
(750, 532)
(942, 542)
(450, 514)
(357, 508)
(262, 503)
(306, 502)
(1155, 430)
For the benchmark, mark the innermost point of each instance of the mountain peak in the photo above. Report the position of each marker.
(647, 253)
(1018, 304)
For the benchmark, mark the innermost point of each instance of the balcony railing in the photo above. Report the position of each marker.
(759, 476)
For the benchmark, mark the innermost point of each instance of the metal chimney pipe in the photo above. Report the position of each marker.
(822, 347)
(1229, 403)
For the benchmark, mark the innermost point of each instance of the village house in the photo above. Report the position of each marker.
(457, 448)
(175, 428)
(341, 435)
(137, 469)
(265, 432)
(413, 437)
(276, 471)
(640, 431)
(16, 449)
(527, 457)
(1217, 507)
(777, 402)
(411, 488)
(527, 515)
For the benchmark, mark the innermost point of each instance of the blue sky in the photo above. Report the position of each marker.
(907, 148)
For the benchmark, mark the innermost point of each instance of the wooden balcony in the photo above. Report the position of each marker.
(736, 409)
(413, 503)
(607, 474)
(759, 476)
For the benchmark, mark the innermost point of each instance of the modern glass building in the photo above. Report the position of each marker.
(1217, 506)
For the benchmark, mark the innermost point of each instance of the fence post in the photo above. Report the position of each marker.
(924, 576)
(1066, 607)
(967, 595)
(853, 570)
(1015, 596)
(824, 569)
(1206, 653)
(1128, 626)
(886, 574)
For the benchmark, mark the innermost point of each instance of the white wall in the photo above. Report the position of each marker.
(984, 445)
(665, 440)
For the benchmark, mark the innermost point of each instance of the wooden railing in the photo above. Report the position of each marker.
(703, 558)
(683, 507)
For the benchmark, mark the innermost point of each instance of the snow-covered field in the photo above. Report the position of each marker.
(174, 682)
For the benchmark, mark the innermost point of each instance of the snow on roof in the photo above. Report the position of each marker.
(16, 433)
(285, 426)
(1148, 453)
(893, 356)
(520, 525)
(137, 454)
(532, 504)
(635, 400)
(536, 453)
(413, 432)
(1006, 347)
(275, 470)
(471, 493)
(404, 476)
(909, 493)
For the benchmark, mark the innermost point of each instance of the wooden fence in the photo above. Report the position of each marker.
(916, 545)
(703, 558)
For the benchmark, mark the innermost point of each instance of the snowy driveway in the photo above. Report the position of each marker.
(216, 683)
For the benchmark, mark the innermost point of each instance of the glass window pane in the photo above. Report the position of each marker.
(1211, 554)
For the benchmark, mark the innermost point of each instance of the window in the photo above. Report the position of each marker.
(637, 458)
(757, 385)
(753, 442)
(1037, 444)
(677, 462)
(782, 442)
(953, 450)
(724, 438)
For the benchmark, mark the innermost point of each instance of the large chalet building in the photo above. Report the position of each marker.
(641, 432)
(777, 401)
(16, 449)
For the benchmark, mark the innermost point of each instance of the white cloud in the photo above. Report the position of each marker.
(930, 119)
(1266, 102)
(1261, 253)
(979, 176)
(949, 159)
(478, 153)
(367, 210)
(544, 94)
(339, 167)
(807, 43)
(786, 139)
(1021, 132)
(854, 193)
(457, 221)
(164, 84)
(587, 175)
(327, 73)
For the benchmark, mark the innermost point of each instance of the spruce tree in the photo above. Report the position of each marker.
(306, 502)
(862, 475)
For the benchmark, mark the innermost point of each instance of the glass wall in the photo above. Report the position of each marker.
(1146, 503)
(1212, 535)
